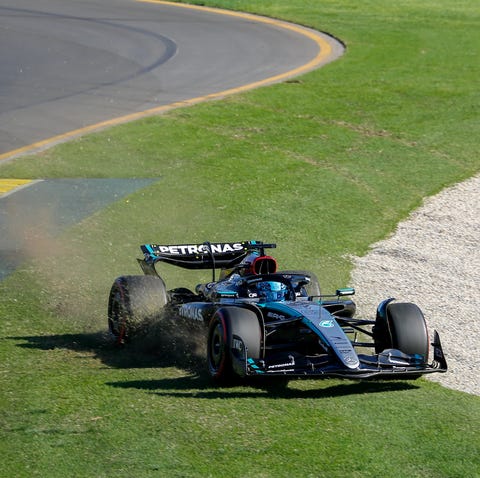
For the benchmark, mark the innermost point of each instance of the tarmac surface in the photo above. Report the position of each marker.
(73, 66)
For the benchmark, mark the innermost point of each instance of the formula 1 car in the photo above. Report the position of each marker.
(267, 323)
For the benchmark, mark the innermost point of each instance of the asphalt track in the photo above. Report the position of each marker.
(68, 68)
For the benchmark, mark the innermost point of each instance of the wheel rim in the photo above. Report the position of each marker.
(216, 348)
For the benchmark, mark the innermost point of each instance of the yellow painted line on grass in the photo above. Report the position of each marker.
(9, 185)
(325, 50)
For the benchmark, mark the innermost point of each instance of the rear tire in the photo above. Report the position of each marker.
(403, 328)
(133, 301)
(223, 354)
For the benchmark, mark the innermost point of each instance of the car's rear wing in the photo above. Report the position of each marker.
(199, 256)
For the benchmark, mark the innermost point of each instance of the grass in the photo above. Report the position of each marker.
(324, 166)
(106, 413)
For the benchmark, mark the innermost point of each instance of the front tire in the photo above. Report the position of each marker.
(402, 327)
(232, 330)
(134, 300)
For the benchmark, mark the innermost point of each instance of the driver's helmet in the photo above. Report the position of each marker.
(271, 291)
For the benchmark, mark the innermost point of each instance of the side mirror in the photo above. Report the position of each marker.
(345, 291)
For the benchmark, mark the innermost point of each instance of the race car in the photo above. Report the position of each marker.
(261, 322)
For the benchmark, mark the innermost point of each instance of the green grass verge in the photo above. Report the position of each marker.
(324, 166)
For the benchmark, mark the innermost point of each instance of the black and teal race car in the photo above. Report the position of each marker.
(262, 322)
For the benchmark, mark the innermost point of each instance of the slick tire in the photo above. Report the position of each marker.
(231, 331)
(133, 301)
(404, 328)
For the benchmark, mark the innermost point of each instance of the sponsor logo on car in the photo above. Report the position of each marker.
(187, 249)
(237, 345)
(326, 323)
(273, 315)
(189, 311)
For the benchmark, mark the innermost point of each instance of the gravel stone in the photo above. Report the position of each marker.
(433, 260)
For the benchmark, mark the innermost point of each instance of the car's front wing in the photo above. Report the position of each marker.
(388, 364)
